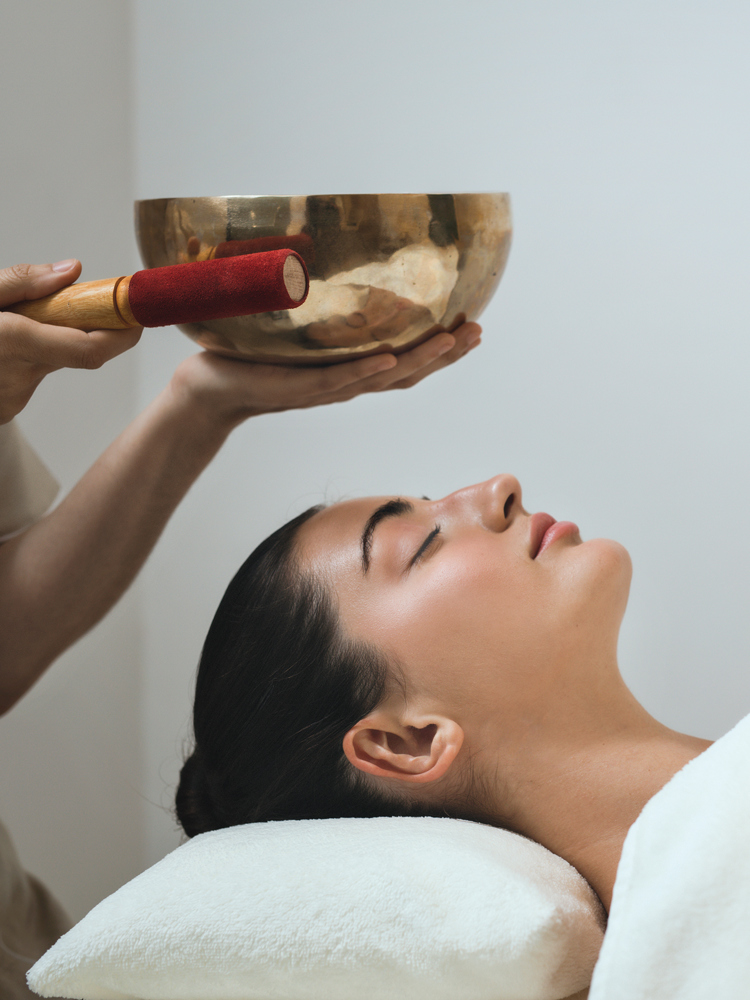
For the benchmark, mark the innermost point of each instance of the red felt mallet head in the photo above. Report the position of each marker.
(216, 289)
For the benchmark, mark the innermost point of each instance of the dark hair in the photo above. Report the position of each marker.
(278, 687)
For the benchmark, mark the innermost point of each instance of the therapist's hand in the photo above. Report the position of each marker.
(231, 391)
(31, 350)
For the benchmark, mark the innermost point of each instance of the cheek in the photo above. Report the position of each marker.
(457, 616)
(469, 625)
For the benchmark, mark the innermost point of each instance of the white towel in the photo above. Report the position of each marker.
(429, 909)
(679, 925)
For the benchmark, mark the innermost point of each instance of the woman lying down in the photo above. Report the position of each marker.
(402, 655)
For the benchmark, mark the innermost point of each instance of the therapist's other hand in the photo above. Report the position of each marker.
(31, 350)
(233, 390)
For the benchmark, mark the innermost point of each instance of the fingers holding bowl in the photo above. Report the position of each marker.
(436, 353)
(339, 383)
(239, 388)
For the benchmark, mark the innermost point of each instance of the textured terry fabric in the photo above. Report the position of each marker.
(27, 488)
(420, 908)
(679, 925)
(31, 920)
(211, 289)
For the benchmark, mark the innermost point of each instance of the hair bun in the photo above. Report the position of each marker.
(193, 801)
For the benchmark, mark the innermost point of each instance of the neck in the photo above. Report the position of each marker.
(580, 788)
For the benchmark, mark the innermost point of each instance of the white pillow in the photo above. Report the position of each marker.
(377, 909)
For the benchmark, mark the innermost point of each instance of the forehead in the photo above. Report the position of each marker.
(331, 538)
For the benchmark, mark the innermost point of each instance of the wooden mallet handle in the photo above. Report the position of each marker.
(90, 305)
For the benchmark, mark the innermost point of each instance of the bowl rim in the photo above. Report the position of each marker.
(344, 194)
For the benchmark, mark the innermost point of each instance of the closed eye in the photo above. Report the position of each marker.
(424, 546)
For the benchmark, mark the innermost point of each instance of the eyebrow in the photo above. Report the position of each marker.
(392, 508)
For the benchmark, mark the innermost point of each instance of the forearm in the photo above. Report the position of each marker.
(64, 573)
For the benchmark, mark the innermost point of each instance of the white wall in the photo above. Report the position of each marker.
(612, 379)
(71, 750)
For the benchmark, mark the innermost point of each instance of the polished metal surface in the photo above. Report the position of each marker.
(386, 270)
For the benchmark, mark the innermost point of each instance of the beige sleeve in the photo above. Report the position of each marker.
(27, 487)
(31, 920)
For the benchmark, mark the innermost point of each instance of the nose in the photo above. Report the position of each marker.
(494, 502)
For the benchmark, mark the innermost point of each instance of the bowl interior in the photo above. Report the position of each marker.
(386, 270)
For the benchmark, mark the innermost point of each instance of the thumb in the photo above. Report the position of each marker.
(32, 281)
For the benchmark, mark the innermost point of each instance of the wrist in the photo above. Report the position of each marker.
(194, 418)
(213, 390)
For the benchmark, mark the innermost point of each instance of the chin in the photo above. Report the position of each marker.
(603, 570)
(613, 554)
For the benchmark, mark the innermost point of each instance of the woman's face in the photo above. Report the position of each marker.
(488, 609)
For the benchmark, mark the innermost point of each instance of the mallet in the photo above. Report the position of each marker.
(179, 293)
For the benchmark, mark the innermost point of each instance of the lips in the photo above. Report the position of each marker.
(540, 525)
(545, 530)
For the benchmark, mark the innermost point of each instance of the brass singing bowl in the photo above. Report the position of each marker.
(386, 270)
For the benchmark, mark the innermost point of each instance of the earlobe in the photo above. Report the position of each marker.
(420, 752)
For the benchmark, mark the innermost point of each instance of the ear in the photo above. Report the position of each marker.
(385, 746)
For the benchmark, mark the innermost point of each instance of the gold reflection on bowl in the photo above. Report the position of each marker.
(386, 270)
